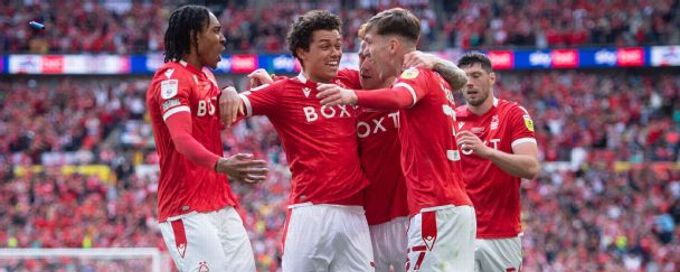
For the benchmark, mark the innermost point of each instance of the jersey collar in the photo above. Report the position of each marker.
(191, 68)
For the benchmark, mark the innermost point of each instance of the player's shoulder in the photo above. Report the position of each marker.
(348, 78)
(171, 70)
(462, 111)
(511, 107)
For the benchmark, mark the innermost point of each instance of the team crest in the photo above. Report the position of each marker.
(169, 88)
(410, 73)
(494, 123)
(528, 123)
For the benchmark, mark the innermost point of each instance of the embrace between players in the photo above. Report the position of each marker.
(385, 168)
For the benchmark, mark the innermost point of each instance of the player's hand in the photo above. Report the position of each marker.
(469, 141)
(243, 167)
(230, 105)
(258, 78)
(420, 59)
(331, 95)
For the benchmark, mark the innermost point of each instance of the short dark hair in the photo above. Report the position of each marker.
(470, 58)
(183, 27)
(300, 33)
(395, 21)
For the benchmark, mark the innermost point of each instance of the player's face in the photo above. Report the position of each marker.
(322, 60)
(210, 43)
(383, 52)
(369, 80)
(478, 88)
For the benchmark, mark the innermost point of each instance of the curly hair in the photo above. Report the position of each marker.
(184, 25)
(300, 33)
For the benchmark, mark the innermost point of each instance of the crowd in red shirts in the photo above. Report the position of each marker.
(138, 26)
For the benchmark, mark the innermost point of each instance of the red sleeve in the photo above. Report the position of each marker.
(389, 99)
(406, 92)
(262, 100)
(179, 126)
(174, 93)
(522, 126)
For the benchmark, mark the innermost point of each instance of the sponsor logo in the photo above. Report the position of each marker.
(170, 103)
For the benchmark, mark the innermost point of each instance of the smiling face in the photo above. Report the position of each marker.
(478, 88)
(322, 61)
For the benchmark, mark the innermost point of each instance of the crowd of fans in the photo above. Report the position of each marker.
(137, 26)
(590, 213)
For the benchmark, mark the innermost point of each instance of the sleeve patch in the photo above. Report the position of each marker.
(528, 123)
(410, 73)
(170, 103)
(169, 88)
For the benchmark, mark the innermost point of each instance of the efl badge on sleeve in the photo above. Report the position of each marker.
(529, 123)
(169, 88)
(410, 73)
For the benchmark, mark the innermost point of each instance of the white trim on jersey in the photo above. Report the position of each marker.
(523, 140)
(495, 101)
(246, 103)
(410, 90)
(174, 110)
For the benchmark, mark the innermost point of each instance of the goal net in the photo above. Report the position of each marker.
(78, 259)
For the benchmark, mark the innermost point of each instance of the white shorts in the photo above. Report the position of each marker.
(389, 245)
(498, 254)
(327, 238)
(442, 239)
(211, 241)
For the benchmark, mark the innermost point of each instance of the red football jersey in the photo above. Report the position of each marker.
(320, 142)
(184, 186)
(429, 152)
(495, 193)
(380, 154)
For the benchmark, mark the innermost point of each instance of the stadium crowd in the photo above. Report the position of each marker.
(597, 215)
(136, 26)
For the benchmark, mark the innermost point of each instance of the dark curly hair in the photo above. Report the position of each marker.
(184, 25)
(300, 33)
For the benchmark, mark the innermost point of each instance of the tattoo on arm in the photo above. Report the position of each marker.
(454, 76)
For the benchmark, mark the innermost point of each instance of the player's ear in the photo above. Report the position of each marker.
(301, 53)
(393, 45)
(492, 78)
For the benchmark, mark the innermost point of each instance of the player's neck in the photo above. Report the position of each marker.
(482, 108)
(313, 78)
(192, 60)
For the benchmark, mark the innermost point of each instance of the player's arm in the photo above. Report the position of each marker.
(402, 95)
(523, 162)
(455, 76)
(261, 99)
(240, 166)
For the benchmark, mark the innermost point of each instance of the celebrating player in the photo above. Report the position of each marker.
(327, 229)
(198, 222)
(498, 150)
(442, 227)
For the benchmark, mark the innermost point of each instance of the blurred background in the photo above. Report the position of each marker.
(78, 167)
